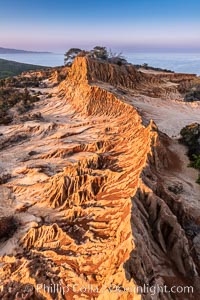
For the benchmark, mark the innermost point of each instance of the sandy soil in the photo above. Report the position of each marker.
(169, 115)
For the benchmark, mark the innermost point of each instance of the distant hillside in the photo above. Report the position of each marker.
(15, 51)
(11, 68)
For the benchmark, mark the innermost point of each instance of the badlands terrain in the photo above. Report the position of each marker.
(96, 192)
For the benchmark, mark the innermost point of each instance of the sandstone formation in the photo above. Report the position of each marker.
(98, 191)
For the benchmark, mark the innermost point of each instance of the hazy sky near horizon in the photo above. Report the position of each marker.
(141, 24)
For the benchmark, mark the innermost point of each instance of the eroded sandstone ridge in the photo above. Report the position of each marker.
(90, 187)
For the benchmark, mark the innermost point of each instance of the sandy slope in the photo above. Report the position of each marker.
(170, 115)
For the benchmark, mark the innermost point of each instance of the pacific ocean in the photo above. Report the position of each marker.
(178, 62)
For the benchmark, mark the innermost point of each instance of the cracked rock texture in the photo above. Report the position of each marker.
(93, 186)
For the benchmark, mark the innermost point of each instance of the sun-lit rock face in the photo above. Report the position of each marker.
(86, 185)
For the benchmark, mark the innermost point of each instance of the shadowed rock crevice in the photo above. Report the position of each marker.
(162, 227)
(8, 226)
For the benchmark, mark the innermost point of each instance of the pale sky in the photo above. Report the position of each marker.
(57, 25)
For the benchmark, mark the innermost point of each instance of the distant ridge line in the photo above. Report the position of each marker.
(15, 51)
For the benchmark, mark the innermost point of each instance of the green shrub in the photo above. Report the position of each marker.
(195, 163)
(198, 180)
(11, 68)
(10, 97)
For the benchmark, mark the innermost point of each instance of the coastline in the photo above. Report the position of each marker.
(177, 62)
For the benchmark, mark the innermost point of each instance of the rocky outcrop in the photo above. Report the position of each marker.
(97, 214)
(162, 214)
(128, 77)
